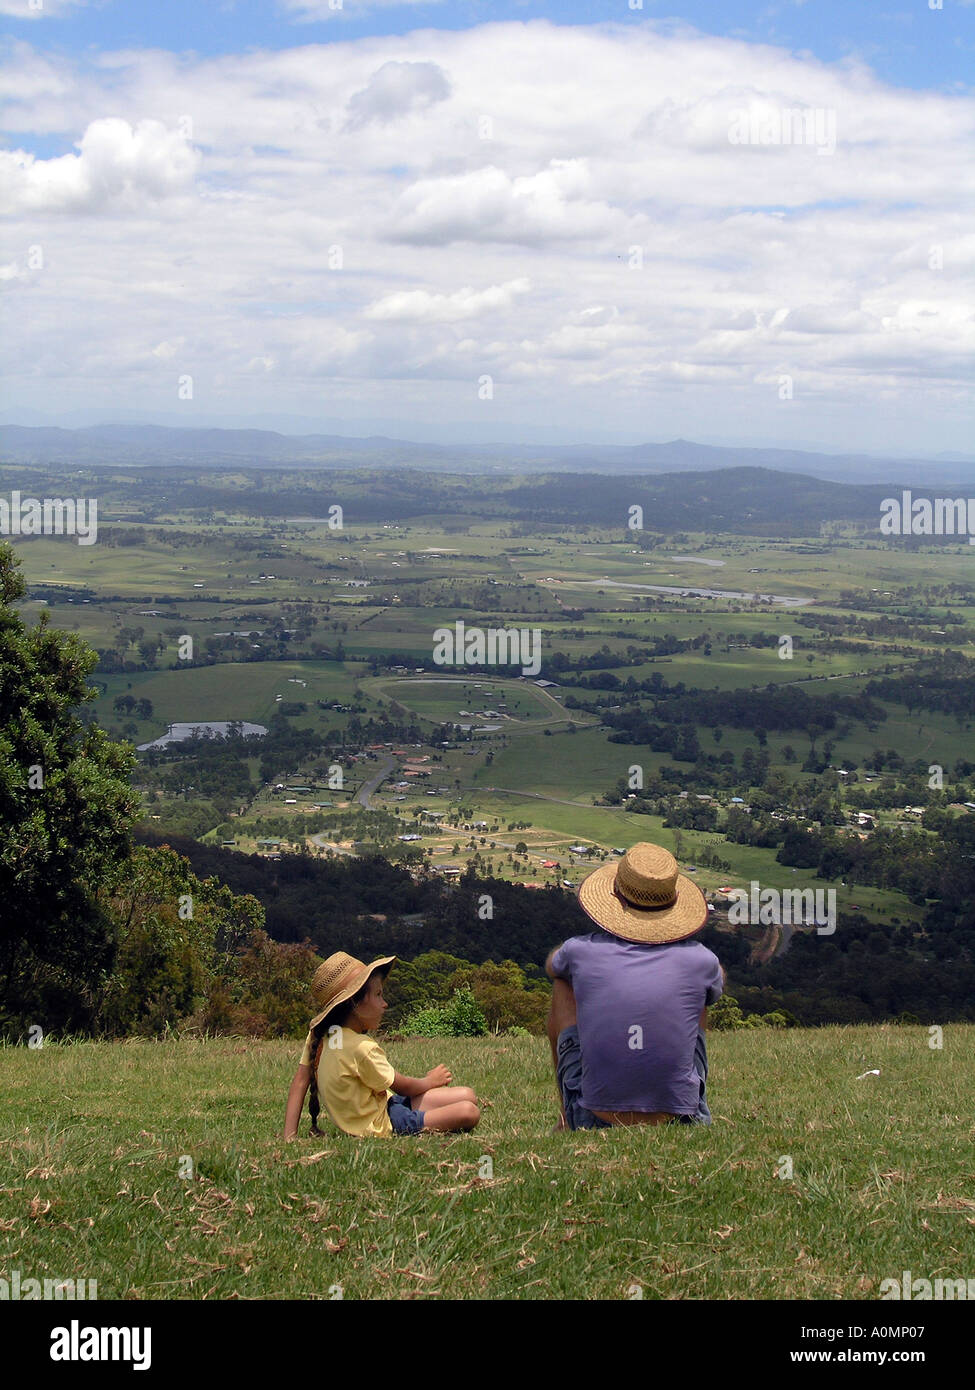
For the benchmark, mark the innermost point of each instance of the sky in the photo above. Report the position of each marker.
(610, 222)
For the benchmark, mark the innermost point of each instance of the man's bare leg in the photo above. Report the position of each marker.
(561, 1014)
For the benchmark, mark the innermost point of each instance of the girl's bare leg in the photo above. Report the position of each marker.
(463, 1114)
(440, 1096)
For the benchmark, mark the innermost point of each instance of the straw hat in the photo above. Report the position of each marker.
(338, 978)
(642, 897)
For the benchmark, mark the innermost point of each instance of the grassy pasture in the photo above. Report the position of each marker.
(925, 734)
(748, 666)
(441, 699)
(762, 567)
(228, 691)
(94, 1137)
(157, 567)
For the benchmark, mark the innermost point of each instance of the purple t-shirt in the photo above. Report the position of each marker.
(638, 1009)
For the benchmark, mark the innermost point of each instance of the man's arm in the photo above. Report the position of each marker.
(703, 1020)
(548, 964)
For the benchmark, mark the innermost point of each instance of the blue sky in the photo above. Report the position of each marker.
(904, 41)
(470, 221)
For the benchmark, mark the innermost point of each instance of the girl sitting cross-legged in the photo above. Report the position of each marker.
(362, 1093)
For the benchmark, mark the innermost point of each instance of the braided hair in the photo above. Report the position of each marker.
(334, 1019)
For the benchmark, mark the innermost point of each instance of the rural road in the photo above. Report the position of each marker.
(362, 797)
(323, 842)
(581, 718)
(367, 788)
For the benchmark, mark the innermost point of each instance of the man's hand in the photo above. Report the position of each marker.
(438, 1076)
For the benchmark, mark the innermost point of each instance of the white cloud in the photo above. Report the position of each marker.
(827, 319)
(420, 306)
(318, 346)
(396, 89)
(39, 9)
(118, 165)
(489, 205)
(372, 224)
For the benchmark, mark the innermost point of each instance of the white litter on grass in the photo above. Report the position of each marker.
(868, 1073)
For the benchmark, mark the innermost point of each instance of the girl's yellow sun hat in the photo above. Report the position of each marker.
(338, 978)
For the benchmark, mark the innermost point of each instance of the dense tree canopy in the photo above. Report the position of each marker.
(65, 812)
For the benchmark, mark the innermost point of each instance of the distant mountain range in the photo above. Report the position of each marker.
(153, 445)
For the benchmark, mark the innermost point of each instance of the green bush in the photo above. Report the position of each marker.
(460, 1017)
(725, 1013)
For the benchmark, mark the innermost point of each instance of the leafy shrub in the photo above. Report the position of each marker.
(727, 1014)
(460, 1017)
(508, 998)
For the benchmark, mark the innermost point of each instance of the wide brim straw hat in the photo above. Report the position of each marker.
(338, 978)
(642, 897)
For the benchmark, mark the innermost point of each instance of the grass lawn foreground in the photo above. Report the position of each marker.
(96, 1136)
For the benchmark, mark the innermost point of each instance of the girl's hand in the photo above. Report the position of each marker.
(439, 1076)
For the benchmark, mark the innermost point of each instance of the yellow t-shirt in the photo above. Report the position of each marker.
(355, 1080)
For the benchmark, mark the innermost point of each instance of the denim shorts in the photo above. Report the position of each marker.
(569, 1074)
(402, 1116)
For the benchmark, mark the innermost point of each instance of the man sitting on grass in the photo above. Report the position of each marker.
(629, 1001)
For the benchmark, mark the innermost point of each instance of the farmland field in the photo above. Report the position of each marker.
(326, 638)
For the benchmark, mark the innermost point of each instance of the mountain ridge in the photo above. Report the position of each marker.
(140, 445)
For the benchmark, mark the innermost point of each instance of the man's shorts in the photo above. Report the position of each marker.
(569, 1074)
(403, 1118)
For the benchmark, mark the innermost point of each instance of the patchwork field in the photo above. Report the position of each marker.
(297, 627)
